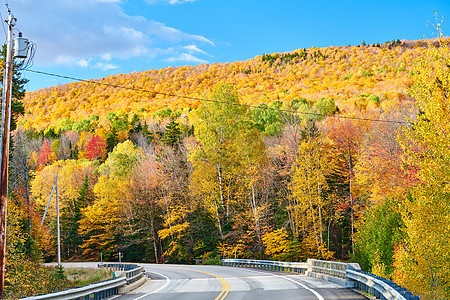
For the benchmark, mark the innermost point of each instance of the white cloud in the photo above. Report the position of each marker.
(105, 66)
(84, 63)
(107, 56)
(194, 49)
(80, 33)
(162, 31)
(186, 57)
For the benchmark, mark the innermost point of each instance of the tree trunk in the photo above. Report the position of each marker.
(155, 236)
(217, 214)
(256, 216)
(350, 165)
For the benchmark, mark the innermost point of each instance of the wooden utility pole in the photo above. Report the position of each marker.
(6, 121)
(57, 222)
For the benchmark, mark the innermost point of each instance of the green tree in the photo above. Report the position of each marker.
(71, 221)
(111, 139)
(267, 119)
(326, 106)
(18, 90)
(380, 229)
(172, 134)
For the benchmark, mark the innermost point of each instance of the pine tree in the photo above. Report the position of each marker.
(111, 139)
(18, 91)
(82, 202)
(172, 133)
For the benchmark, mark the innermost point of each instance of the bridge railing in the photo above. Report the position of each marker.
(132, 272)
(379, 287)
(345, 274)
(100, 290)
(297, 267)
(331, 271)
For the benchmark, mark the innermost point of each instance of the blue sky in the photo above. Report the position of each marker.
(95, 38)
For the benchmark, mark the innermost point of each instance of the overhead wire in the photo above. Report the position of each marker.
(3, 25)
(211, 100)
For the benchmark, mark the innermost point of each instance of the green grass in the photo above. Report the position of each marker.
(83, 276)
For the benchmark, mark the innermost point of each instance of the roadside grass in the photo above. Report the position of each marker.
(83, 276)
(27, 279)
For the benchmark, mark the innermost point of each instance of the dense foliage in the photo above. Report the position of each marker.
(343, 155)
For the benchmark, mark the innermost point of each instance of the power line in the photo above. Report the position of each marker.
(3, 25)
(210, 100)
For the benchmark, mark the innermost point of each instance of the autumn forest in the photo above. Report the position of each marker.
(337, 153)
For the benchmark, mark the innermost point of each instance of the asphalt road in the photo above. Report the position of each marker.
(217, 282)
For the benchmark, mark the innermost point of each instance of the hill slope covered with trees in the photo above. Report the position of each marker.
(357, 78)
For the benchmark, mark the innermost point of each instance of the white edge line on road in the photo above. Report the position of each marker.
(302, 285)
(167, 282)
(294, 281)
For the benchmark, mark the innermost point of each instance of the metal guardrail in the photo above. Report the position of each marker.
(379, 287)
(350, 275)
(297, 267)
(119, 267)
(344, 274)
(132, 272)
(100, 290)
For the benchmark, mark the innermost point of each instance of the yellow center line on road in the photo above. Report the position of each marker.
(225, 287)
(225, 284)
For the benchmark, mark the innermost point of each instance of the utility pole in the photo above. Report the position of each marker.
(55, 188)
(20, 51)
(6, 121)
(350, 166)
(57, 223)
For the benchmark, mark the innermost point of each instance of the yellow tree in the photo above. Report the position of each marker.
(251, 156)
(175, 202)
(71, 176)
(100, 225)
(217, 125)
(227, 160)
(102, 221)
(277, 244)
(423, 260)
(309, 192)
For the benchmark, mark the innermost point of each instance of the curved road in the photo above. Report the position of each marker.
(217, 282)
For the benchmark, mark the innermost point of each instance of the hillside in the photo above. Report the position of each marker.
(349, 75)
